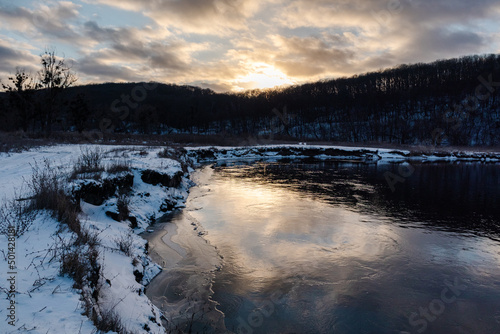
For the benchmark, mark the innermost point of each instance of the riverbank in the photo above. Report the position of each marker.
(85, 270)
(327, 152)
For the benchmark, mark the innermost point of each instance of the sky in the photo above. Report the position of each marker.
(235, 45)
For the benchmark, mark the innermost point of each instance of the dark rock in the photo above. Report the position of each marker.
(153, 177)
(285, 152)
(113, 215)
(207, 154)
(133, 222)
(116, 217)
(167, 205)
(176, 180)
(138, 276)
(97, 192)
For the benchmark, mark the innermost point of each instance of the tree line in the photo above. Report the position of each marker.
(454, 101)
(32, 102)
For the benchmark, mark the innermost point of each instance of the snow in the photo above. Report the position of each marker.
(46, 302)
(325, 152)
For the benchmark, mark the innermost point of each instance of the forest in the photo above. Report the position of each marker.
(446, 102)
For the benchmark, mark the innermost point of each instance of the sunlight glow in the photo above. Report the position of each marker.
(262, 76)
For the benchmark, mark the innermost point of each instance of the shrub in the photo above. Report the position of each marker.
(91, 158)
(45, 186)
(110, 321)
(81, 264)
(118, 166)
(173, 152)
(89, 238)
(125, 243)
(16, 214)
(122, 205)
(89, 163)
(47, 193)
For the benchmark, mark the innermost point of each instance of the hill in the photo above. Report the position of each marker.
(452, 102)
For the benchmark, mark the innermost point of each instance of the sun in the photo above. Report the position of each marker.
(262, 76)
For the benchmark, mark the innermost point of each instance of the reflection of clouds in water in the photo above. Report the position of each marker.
(270, 224)
(267, 240)
(339, 267)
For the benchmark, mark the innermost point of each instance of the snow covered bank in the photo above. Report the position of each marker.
(46, 301)
(364, 154)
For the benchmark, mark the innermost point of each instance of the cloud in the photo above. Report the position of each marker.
(433, 43)
(14, 56)
(220, 43)
(311, 56)
(383, 33)
(94, 69)
(213, 17)
(42, 21)
(365, 14)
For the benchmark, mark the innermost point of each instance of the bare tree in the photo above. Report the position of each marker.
(54, 77)
(20, 92)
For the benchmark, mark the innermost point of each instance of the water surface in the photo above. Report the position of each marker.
(327, 247)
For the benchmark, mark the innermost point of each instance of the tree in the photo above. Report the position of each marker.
(21, 97)
(79, 111)
(54, 77)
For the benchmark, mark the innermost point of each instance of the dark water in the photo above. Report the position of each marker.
(329, 248)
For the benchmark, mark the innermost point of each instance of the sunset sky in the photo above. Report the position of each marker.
(242, 44)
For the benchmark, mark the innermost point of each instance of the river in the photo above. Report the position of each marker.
(328, 247)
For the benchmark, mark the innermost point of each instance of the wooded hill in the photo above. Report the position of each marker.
(455, 102)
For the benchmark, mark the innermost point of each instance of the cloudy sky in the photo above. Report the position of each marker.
(242, 44)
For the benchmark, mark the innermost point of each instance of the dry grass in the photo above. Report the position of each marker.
(18, 215)
(176, 153)
(118, 166)
(79, 258)
(89, 164)
(110, 322)
(125, 243)
(122, 204)
(47, 193)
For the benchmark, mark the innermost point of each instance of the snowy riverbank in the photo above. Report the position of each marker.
(46, 301)
(324, 152)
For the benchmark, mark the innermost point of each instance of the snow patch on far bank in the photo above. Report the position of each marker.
(325, 152)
